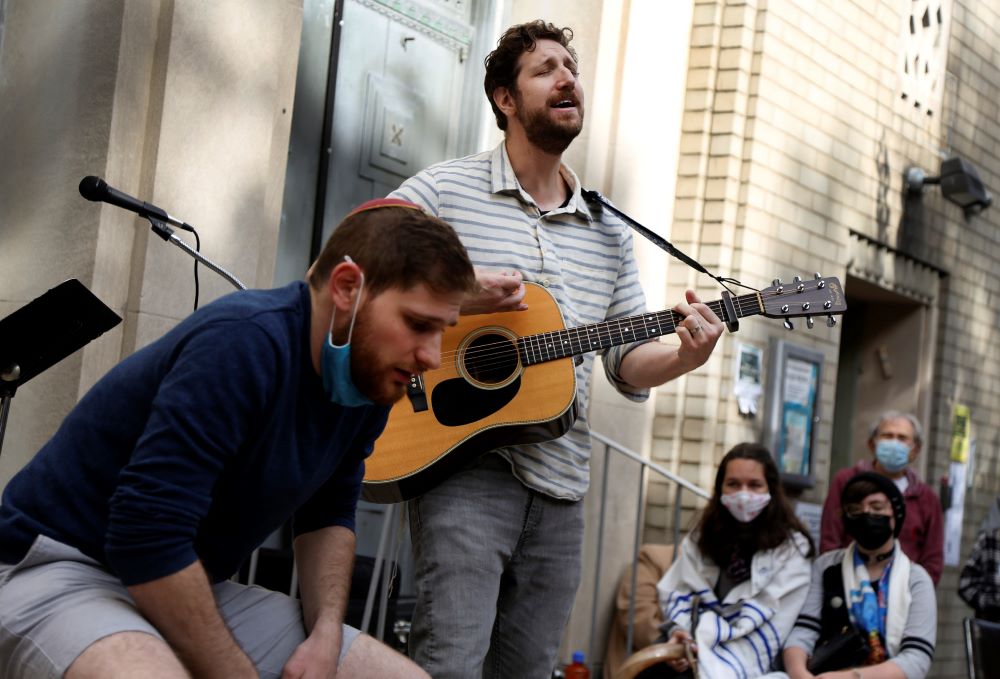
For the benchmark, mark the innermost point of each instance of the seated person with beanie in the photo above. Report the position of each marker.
(870, 612)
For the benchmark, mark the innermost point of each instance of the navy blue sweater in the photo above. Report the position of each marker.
(198, 447)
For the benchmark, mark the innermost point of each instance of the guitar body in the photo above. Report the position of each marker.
(481, 398)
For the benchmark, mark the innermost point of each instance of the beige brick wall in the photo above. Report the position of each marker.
(790, 108)
(968, 355)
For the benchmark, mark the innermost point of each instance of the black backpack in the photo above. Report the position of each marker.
(840, 644)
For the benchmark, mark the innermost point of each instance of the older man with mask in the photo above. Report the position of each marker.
(895, 442)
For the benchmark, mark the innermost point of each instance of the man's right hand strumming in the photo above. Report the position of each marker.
(498, 291)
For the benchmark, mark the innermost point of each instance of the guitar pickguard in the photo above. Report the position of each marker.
(456, 402)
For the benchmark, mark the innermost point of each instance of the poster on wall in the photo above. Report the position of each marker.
(797, 410)
(747, 386)
(962, 448)
(811, 516)
(960, 433)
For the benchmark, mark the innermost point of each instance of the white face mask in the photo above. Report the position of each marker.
(744, 505)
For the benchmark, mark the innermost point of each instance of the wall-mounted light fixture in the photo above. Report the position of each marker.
(959, 182)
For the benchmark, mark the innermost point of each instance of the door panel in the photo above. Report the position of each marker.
(885, 354)
(399, 87)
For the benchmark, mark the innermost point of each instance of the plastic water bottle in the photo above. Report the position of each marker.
(576, 669)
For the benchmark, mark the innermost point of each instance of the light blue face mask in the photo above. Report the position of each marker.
(335, 363)
(892, 455)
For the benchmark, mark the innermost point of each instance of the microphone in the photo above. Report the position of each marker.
(97, 190)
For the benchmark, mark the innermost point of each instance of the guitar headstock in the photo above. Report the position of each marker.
(817, 297)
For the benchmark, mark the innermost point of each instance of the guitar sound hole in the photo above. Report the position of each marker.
(490, 359)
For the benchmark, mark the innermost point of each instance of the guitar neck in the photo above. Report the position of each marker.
(550, 346)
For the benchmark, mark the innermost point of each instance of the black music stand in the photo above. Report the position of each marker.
(44, 332)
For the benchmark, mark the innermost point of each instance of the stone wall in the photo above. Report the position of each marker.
(183, 103)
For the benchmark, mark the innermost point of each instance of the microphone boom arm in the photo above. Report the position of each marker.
(166, 233)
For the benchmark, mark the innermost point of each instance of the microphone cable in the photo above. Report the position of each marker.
(197, 248)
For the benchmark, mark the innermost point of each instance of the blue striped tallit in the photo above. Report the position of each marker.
(740, 636)
(583, 257)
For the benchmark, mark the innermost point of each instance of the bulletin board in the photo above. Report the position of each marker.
(791, 417)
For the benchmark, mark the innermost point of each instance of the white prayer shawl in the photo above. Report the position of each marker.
(741, 635)
(898, 604)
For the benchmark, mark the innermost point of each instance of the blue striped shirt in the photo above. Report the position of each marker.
(583, 257)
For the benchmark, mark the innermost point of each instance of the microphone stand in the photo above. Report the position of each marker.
(161, 229)
(69, 298)
(10, 374)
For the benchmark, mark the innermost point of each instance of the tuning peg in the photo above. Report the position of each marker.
(776, 281)
(809, 322)
(831, 321)
(797, 279)
(788, 324)
(816, 275)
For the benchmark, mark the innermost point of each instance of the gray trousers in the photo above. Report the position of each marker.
(56, 602)
(497, 569)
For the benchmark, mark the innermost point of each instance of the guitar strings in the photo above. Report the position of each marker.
(666, 323)
(666, 318)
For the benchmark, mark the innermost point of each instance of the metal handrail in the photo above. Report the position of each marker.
(681, 485)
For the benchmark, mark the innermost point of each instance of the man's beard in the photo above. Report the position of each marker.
(367, 371)
(549, 135)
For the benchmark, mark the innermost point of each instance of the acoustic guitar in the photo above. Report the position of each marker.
(509, 378)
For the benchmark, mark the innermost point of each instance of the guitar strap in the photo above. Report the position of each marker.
(665, 245)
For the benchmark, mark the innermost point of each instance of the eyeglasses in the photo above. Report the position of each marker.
(853, 511)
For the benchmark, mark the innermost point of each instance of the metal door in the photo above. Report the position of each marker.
(399, 92)
(384, 88)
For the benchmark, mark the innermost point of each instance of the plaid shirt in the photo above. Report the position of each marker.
(979, 584)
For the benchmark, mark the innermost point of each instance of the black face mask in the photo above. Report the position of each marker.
(871, 531)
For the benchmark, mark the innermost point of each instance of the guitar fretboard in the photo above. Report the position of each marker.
(550, 346)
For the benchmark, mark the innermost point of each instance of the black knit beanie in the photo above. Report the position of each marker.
(887, 486)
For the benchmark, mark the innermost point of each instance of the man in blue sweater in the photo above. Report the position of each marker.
(117, 538)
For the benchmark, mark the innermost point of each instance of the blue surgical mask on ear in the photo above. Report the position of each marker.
(335, 363)
(892, 455)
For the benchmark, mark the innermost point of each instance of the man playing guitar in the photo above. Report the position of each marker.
(498, 544)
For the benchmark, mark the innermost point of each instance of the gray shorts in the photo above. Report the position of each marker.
(56, 602)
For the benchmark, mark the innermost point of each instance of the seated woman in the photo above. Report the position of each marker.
(871, 587)
(741, 576)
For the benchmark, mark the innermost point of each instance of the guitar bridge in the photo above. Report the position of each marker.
(415, 392)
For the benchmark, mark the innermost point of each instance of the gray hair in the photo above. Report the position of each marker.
(918, 431)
